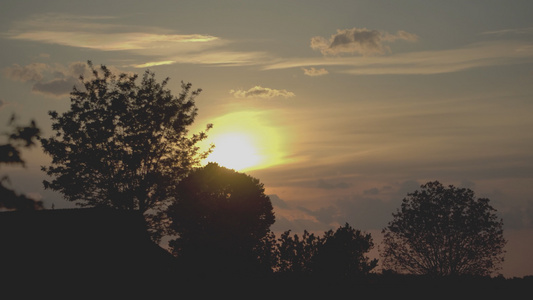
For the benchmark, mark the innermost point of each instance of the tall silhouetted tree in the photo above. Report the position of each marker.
(10, 153)
(343, 253)
(444, 231)
(123, 144)
(220, 217)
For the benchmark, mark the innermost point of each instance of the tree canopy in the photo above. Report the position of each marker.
(444, 231)
(296, 253)
(337, 254)
(343, 253)
(220, 217)
(123, 144)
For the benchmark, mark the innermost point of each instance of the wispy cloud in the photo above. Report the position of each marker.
(111, 41)
(261, 92)
(153, 63)
(92, 33)
(161, 46)
(512, 31)
(423, 62)
(359, 40)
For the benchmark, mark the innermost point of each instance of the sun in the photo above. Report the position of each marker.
(245, 140)
(235, 150)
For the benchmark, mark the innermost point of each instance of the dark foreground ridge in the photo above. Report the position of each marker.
(105, 250)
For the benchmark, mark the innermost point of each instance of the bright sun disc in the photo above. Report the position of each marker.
(245, 141)
(235, 151)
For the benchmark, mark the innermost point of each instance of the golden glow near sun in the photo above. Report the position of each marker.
(245, 141)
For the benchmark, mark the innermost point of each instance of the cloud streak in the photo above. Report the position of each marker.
(92, 33)
(476, 55)
(111, 41)
(160, 46)
(359, 41)
(261, 92)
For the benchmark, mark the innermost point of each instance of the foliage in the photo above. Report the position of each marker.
(339, 253)
(342, 253)
(266, 254)
(10, 153)
(221, 218)
(296, 254)
(122, 144)
(444, 231)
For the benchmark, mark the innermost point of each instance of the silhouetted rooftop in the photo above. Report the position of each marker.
(78, 242)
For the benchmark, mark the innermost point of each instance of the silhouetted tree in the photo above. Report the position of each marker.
(266, 253)
(338, 254)
(10, 153)
(296, 254)
(444, 231)
(342, 253)
(221, 218)
(122, 144)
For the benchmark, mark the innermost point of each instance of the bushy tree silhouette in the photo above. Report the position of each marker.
(123, 144)
(220, 217)
(444, 231)
(296, 254)
(342, 253)
(10, 153)
(338, 254)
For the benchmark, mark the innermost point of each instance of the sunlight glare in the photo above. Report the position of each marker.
(235, 151)
(244, 141)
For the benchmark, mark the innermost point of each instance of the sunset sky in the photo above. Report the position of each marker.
(339, 107)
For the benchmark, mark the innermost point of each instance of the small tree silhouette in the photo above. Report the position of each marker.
(444, 231)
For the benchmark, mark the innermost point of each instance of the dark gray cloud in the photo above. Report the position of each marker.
(325, 215)
(322, 184)
(359, 40)
(277, 201)
(370, 210)
(56, 87)
(54, 81)
(32, 72)
(365, 212)
(372, 191)
(297, 226)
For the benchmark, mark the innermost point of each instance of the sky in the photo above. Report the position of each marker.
(340, 108)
